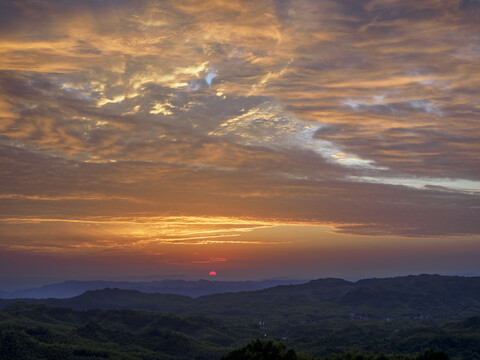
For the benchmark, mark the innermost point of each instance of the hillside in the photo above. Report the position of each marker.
(403, 315)
(412, 297)
(42, 332)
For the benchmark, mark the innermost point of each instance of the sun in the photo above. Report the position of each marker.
(212, 273)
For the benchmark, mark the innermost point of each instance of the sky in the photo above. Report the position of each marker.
(257, 139)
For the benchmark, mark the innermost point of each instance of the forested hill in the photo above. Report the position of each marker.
(41, 332)
(404, 316)
(409, 297)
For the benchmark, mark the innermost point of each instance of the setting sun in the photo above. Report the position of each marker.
(263, 138)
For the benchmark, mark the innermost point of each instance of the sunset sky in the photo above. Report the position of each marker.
(257, 139)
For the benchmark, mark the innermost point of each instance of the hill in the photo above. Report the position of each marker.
(403, 315)
(197, 288)
(42, 332)
(432, 297)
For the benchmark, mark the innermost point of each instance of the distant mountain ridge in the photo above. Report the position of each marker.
(68, 289)
(409, 297)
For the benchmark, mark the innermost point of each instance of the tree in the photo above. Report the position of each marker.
(433, 355)
(262, 350)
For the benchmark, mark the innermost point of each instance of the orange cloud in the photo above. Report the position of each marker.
(135, 127)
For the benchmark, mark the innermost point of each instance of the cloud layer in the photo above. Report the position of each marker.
(359, 114)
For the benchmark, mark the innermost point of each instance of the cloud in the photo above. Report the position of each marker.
(290, 112)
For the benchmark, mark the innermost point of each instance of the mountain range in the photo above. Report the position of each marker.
(193, 289)
(410, 297)
(403, 317)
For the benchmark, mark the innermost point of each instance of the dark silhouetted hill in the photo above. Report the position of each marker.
(410, 297)
(197, 288)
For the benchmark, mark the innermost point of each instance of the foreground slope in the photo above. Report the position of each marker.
(41, 332)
